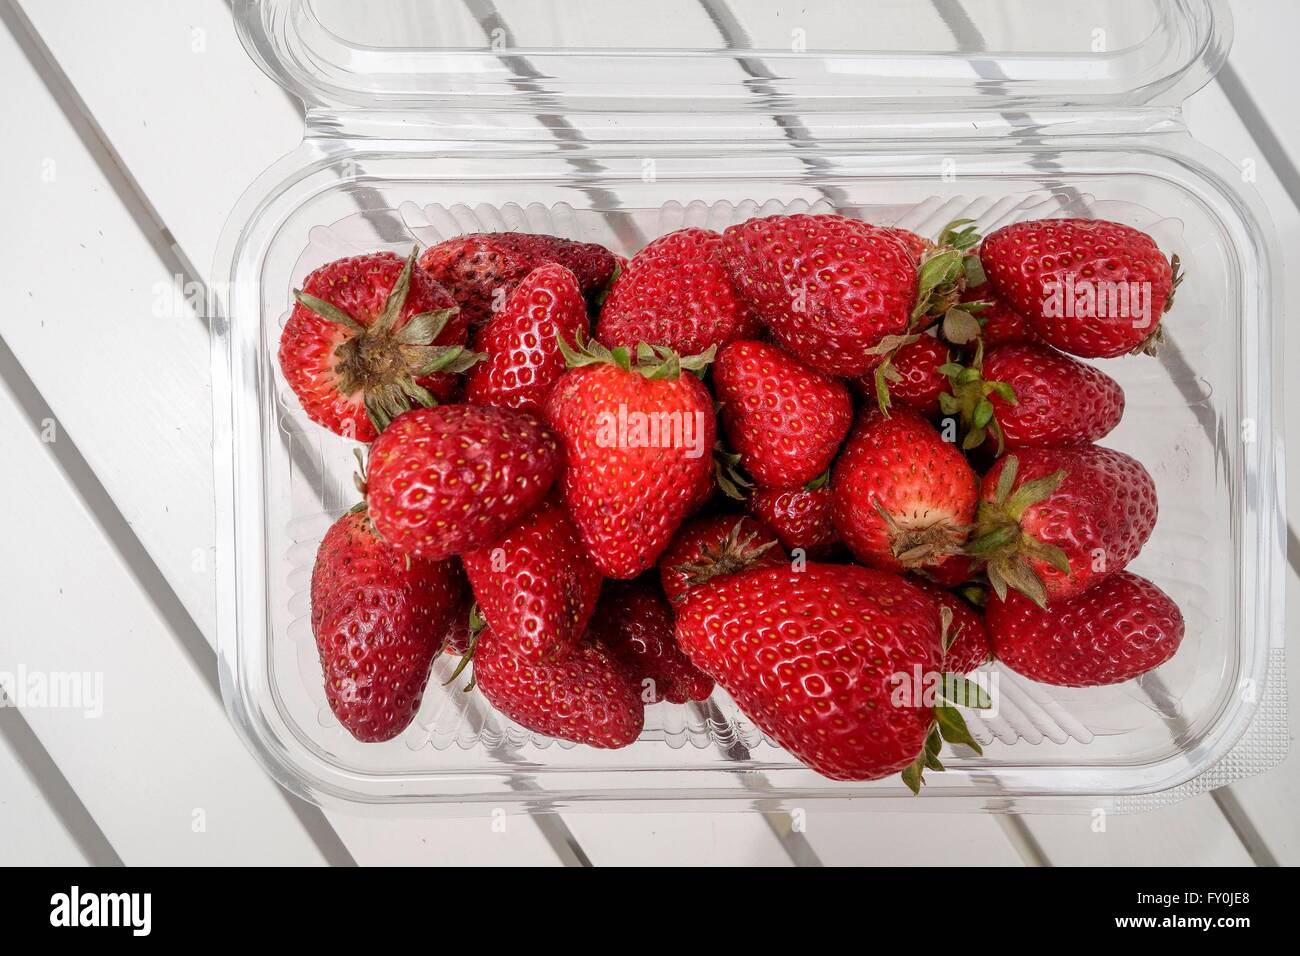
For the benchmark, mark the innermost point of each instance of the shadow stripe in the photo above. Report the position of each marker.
(58, 793)
(76, 469)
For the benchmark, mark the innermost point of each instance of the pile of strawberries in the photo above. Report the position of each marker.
(828, 465)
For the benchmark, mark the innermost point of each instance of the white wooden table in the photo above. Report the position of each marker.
(131, 129)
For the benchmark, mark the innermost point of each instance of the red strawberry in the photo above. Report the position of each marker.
(1120, 628)
(588, 697)
(957, 570)
(918, 381)
(799, 517)
(453, 479)
(1059, 401)
(915, 245)
(523, 354)
(635, 623)
(1087, 286)
(901, 496)
(708, 547)
(638, 437)
(816, 656)
(999, 323)
(482, 269)
(968, 638)
(675, 292)
(830, 288)
(536, 587)
(1053, 521)
(369, 338)
(785, 420)
(378, 618)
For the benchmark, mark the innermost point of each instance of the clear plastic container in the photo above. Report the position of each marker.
(429, 118)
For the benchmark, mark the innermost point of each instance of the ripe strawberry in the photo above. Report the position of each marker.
(901, 496)
(815, 657)
(453, 479)
(638, 438)
(968, 638)
(1059, 401)
(1054, 521)
(635, 623)
(459, 631)
(915, 245)
(785, 420)
(708, 547)
(587, 697)
(676, 293)
(830, 288)
(918, 381)
(482, 269)
(369, 338)
(1120, 628)
(999, 323)
(1087, 286)
(523, 354)
(799, 517)
(536, 587)
(378, 618)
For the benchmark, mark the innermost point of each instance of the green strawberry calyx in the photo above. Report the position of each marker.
(729, 556)
(728, 474)
(967, 400)
(658, 363)
(382, 362)
(476, 627)
(1005, 548)
(948, 724)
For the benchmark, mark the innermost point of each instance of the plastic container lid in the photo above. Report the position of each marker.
(614, 55)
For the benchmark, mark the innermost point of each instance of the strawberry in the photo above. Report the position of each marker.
(999, 323)
(799, 517)
(917, 380)
(481, 269)
(587, 697)
(1122, 627)
(1059, 401)
(1054, 521)
(708, 547)
(635, 623)
(638, 437)
(915, 245)
(1087, 286)
(369, 338)
(379, 619)
(523, 360)
(829, 288)
(536, 587)
(901, 496)
(453, 479)
(819, 659)
(785, 420)
(676, 293)
(968, 638)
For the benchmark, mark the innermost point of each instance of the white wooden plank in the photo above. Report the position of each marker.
(678, 839)
(1192, 833)
(159, 759)
(31, 834)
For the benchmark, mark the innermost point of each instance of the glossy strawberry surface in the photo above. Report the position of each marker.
(1087, 286)
(676, 292)
(378, 619)
(901, 496)
(799, 517)
(520, 341)
(454, 478)
(784, 419)
(828, 287)
(634, 621)
(968, 646)
(813, 656)
(1059, 400)
(1117, 630)
(536, 586)
(639, 460)
(587, 697)
(702, 546)
(311, 353)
